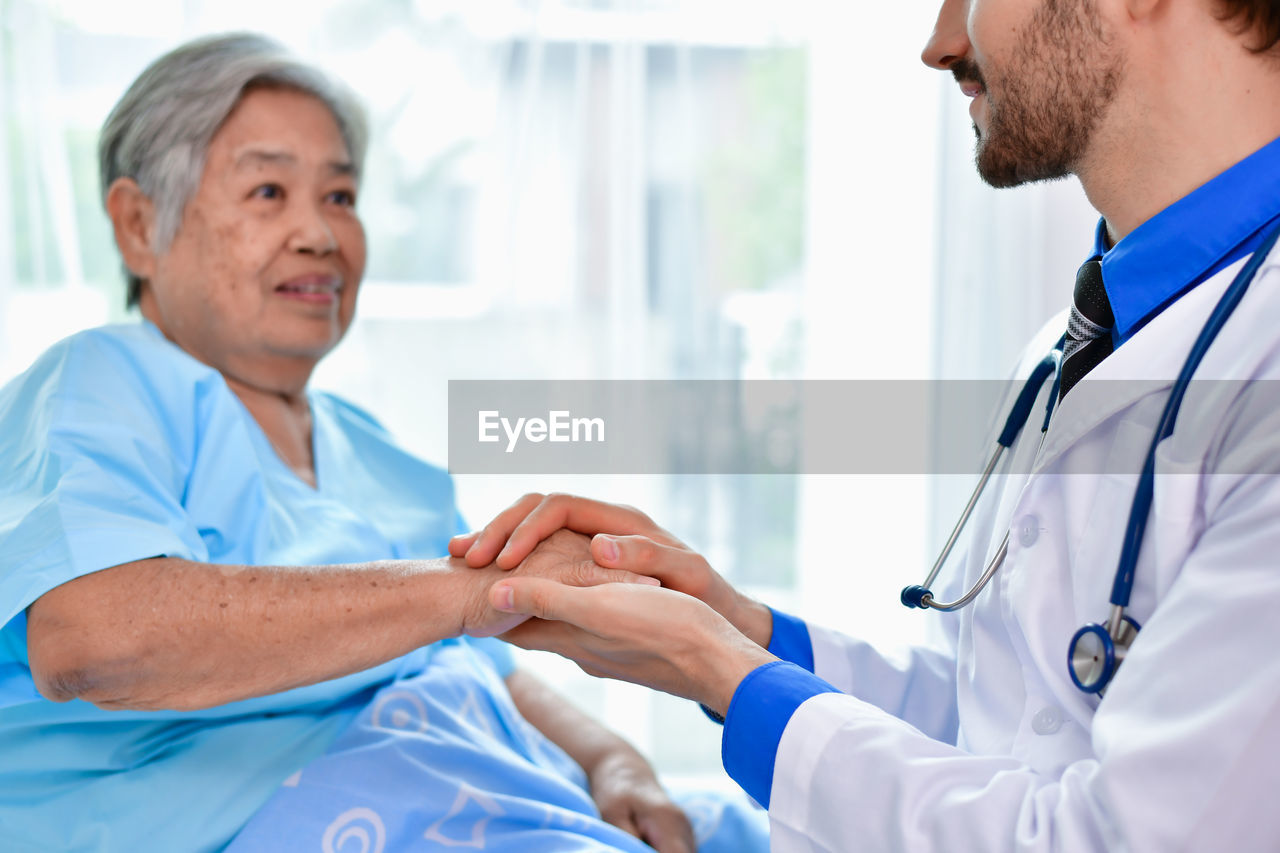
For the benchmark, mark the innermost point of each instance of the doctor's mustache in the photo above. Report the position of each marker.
(965, 70)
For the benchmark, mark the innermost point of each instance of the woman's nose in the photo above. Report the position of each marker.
(312, 233)
(950, 38)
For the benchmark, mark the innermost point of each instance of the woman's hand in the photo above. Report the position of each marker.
(624, 538)
(621, 782)
(563, 557)
(655, 637)
(629, 796)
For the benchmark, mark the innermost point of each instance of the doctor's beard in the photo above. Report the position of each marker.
(1045, 105)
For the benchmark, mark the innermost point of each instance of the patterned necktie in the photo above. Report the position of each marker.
(1088, 327)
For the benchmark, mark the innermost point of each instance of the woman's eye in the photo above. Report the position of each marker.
(268, 191)
(346, 198)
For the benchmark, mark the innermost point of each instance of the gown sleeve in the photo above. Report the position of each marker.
(95, 448)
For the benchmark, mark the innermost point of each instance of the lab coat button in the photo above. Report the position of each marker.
(1028, 530)
(1047, 721)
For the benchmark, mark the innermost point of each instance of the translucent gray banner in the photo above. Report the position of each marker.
(821, 427)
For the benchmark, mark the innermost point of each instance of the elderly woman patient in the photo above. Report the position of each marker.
(220, 625)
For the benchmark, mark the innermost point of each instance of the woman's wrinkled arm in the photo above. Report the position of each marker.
(176, 634)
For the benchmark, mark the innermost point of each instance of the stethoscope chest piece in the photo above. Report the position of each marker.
(1095, 654)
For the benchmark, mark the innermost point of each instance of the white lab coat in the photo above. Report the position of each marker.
(988, 746)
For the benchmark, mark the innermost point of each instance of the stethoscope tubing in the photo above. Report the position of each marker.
(1120, 630)
(964, 516)
(921, 595)
(1136, 528)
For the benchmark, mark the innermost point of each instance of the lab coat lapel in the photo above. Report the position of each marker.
(1148, 363)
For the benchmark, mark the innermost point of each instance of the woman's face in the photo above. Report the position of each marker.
(260, 281)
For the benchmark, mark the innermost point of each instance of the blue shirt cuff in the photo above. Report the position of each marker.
(758, 714)
(790, 640)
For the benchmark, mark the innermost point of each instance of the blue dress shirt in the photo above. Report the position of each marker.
(1190, 241)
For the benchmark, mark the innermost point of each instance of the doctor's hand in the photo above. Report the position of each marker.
(655, 637)
(624, 538)
(563, 557)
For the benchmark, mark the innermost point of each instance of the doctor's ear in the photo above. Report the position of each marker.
(133, 218)
(1142, 9)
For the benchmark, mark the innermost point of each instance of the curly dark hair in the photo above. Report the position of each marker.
(1259, 17)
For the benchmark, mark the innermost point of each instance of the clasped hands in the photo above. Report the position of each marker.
(690, 634)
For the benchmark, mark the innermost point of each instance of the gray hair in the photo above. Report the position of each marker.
(159, 132)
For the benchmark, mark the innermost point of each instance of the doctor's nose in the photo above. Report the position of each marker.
(950, 38)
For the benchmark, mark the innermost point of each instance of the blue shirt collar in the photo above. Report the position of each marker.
(1190, 240)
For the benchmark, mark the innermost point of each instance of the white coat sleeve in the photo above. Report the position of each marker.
(1185, 744)
(917, 684)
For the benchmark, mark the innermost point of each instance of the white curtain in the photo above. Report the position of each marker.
(41, 270)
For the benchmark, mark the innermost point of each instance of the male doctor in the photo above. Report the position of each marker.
(1168, 111)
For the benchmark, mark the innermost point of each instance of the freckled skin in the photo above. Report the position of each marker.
(276, 201)
(252, 225)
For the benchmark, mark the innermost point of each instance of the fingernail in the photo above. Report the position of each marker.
(609, 548)
(648, 581)
(505, 598)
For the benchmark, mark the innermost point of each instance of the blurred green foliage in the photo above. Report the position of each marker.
(755, 190)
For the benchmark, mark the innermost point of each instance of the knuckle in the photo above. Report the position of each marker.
(558, 505)
(636, 511)
(613, 810)
(696, 568)
(538, 599)
(645, 551)
(675, 812)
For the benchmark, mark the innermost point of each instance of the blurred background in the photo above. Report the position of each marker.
(594, 189)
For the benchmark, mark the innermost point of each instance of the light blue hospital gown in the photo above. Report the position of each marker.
(116, 446)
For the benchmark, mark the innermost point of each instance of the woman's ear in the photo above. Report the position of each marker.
(133, 218)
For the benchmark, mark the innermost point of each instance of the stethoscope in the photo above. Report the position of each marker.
(1096, 651)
